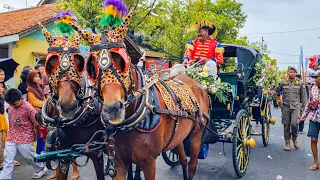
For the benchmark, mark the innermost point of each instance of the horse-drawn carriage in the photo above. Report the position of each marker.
(231, 122)
(132, 118)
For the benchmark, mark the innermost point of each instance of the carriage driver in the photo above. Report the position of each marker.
(205, 49)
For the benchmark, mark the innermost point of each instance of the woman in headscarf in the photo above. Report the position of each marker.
(36, 98)
(35, 91)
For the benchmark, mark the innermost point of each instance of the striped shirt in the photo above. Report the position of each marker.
(312, 114)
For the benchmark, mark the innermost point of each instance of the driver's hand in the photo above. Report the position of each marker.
(204, 61)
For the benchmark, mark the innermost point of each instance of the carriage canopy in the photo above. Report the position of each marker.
(247, 58)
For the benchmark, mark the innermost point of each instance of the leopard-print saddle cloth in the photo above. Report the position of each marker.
(183, 94)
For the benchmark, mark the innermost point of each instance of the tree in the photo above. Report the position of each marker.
(169, 30)
(88, 11)
(165, 23)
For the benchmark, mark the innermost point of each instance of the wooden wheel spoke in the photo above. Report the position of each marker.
(240, 140)
(239, 146)
(238, 154)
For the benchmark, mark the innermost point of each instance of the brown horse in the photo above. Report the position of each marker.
(109, 66)
(64, 108)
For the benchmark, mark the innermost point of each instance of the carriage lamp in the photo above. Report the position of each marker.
(273, 121)
(249, 142)
(265, 91)
(228, 106)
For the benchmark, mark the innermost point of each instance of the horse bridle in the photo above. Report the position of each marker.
(105, 63)
(81, 112)
(65, 67)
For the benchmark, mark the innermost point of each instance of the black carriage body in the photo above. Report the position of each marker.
(243, 91)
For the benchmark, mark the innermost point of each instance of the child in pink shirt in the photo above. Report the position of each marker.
(21, 135)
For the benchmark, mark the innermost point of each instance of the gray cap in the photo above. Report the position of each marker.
(292, 68)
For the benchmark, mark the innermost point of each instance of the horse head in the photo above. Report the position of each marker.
(108, 66)
(64, 66)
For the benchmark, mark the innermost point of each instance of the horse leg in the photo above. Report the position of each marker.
(98, 165)
(75, 174)
(183, 159)
(195, 142)
(121, 171)
(149, 169)
(60, 175)
(137, 174)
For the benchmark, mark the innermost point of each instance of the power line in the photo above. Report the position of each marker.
(284, 54)
(282, 32)
(274, 47)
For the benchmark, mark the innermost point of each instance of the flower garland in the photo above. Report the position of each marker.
(212, 84)
(267, 75)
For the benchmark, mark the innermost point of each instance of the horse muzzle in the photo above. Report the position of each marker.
(67, 110)
(113, 114)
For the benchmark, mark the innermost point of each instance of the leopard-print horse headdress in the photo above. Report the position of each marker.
(108, 61)
(64, 61)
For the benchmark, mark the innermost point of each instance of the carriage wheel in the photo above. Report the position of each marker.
(242, 142)
(171, 158)
(266, 126)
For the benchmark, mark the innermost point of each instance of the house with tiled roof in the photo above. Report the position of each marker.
(22, 39)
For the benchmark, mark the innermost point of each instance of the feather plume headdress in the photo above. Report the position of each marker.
(63, 19)
(113, 13)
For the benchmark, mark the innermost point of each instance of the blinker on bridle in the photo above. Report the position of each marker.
(64, 65)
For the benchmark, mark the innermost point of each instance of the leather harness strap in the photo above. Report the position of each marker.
(184, 114)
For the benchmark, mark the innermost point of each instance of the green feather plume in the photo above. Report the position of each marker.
(110, 21)
(64, 28)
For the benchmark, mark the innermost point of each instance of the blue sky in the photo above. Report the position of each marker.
(284, 15)
(267, 16)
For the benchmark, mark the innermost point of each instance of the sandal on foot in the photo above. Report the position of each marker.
(314, 167)
(40, 174)
(54, 176)
(16, 163)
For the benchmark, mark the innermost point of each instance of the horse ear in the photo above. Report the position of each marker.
(122, 30)
(47, 34)
(86, 35)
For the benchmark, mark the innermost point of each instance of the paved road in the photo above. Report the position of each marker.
(291, 165)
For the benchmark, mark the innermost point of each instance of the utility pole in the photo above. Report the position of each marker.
(262, 45)
(26, 3)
